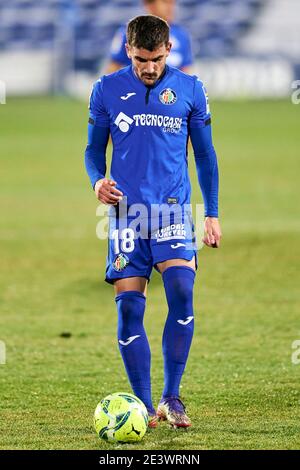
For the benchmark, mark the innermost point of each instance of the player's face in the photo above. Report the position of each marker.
(163, 8)
(149, 66)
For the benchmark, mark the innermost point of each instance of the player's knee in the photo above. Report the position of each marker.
(179, 284)
(131, 308)
(182, 293)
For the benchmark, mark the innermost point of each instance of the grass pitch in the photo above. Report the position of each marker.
(240, 386)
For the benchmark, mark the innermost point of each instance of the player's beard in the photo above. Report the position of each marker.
(149, 78)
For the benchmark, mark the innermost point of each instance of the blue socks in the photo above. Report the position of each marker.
(133, 344)
(177, 336)
(179, 327)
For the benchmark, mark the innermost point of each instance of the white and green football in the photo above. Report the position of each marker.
(121, 417)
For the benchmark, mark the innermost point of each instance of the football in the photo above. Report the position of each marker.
(121, 417)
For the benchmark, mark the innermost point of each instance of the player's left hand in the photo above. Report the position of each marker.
(212, 232)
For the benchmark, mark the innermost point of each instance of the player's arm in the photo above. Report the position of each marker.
(95, 154)
(206, 164)
(118, 56)
(187, 63)
(208, 177)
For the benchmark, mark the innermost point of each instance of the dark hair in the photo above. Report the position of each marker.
(147, 32)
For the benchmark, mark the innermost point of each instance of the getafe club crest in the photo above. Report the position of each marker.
(120, 262)
(168, 96)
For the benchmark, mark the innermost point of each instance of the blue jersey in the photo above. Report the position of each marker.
(180, 56)
(150, 127)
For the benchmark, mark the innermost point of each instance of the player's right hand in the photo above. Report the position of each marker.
(106, 192)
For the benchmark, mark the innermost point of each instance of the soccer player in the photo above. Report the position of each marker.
(151, 109)
(181, 53)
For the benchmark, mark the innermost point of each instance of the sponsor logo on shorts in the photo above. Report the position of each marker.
(172, 232)
(120, 262)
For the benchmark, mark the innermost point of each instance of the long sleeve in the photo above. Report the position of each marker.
(95, 154)
(98, 134)
(207, 168)
(205, 155)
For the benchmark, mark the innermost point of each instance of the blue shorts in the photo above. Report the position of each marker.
(134, 249)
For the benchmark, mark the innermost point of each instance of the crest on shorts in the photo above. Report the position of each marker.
(120, 262)
(168, 96)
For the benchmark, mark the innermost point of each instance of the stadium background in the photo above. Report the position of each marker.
(57, 315)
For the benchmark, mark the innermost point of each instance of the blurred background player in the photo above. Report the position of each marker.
(181, 53)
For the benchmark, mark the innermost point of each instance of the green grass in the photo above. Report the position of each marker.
(241, 389)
